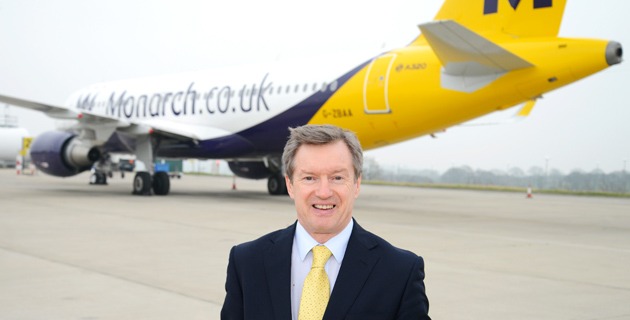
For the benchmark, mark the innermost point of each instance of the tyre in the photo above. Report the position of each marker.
(142, 184)
(101, 178)
(93, 178)
(98, 178)
(276, 184)
(161, 183)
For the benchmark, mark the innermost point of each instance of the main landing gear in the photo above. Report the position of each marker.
(143, 183)
(276, 185)
(98, 177)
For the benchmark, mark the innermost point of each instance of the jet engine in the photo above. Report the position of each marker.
(250, 169)
(258, 170)
(62, 154)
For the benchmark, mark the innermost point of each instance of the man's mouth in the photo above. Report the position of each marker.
(324, 206)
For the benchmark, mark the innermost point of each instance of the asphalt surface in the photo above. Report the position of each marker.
(69, 250)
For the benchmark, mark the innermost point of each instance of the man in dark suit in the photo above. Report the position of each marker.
(277, 276)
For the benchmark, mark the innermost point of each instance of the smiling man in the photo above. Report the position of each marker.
(324, 266)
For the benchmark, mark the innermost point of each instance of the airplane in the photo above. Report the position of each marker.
(474, 58)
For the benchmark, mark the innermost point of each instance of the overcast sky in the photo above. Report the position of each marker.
(48, 49)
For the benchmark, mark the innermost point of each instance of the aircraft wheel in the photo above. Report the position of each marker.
(98, 178)
(93, 178)
(142, 183)
(103, 178)
(161, 183)
(276, 184)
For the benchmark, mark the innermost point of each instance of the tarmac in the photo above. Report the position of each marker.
(69, 250)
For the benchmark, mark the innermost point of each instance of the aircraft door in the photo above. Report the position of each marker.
(375, 86)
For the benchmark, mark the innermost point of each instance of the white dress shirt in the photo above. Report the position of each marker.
(302, 259)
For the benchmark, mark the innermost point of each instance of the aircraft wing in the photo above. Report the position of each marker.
(86, 119)
(183, 131)
(50, 110)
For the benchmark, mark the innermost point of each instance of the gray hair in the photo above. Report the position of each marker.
(321, 135)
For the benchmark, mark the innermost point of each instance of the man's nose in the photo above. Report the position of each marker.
(323, 189)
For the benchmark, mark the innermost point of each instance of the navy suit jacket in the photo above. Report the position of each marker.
(376, 280)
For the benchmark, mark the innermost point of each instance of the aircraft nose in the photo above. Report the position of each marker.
(614, 53)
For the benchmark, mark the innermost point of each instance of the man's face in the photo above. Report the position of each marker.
(323, 188)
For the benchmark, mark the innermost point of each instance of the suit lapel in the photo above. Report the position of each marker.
(357, 265)
(278, 270)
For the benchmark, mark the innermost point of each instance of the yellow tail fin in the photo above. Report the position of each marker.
(500, 19)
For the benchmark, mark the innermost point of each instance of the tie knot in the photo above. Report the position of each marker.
(321, 254)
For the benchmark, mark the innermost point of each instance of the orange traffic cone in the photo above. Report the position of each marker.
(529, 193)
(18, 165)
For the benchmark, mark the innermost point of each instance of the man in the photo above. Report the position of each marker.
(277, 276)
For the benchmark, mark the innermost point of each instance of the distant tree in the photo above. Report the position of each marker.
(577, 180)
(431, 175)
(516, 172)
(555, 180)
(536, 177)
(536, 171)
(619, 181)
(459, 175)
(482, 177)
(371, 169)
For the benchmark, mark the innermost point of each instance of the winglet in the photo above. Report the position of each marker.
(525, 110)
(522, 113)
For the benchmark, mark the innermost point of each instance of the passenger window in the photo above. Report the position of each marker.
(333, 86)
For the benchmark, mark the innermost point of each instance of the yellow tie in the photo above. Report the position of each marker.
(316, 291)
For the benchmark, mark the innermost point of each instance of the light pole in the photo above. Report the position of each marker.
(546, 172)
(546, 166)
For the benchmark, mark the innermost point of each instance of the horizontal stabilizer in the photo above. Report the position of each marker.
(458, 47)
(470, 61)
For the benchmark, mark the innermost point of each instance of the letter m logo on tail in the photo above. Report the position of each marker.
(492, 6)
(506, 19)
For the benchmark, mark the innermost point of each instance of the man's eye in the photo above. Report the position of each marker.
(309, 178)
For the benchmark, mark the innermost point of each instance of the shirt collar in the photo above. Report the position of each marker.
(337, 244)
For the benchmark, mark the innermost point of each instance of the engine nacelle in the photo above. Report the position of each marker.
(61, 154)
(250, 169)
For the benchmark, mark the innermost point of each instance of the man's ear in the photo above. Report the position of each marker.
(289, 186)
